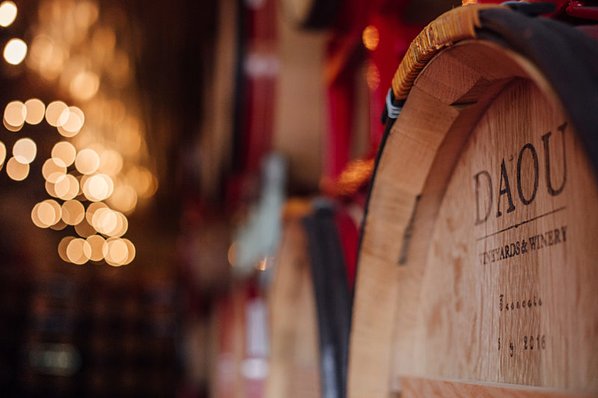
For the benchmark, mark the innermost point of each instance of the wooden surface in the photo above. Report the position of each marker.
(428, 388)
(294, 357)
(428, 299)
(299, 121)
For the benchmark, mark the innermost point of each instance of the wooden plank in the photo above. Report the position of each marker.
(294, 359)
(426, 388)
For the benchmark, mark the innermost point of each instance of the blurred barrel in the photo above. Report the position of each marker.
(477, 270)
(294, 354)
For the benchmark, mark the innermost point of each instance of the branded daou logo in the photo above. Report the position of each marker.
(534, 174)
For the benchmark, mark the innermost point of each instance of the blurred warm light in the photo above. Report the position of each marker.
(120, 72)
(46, 57)
(53, 170)
(96, 242)
(84, 85)
(121, 227)
(13, 129)
(15, 114)
(143, 181)
(86, 13)
(35, 111)
(24, 150)
(103, 42)
(466, 2)
(111, 162)
(129, 137)
(372, 76)
(82, 56)
(64, 153)
(109, 222)
(98, 187)
(15, 170)
(370, 37)
(15, 51)
(64, 242)
(59, 226)
(46, 214)
(67, 188)
(84, 230)
(53, 112)
(87, 161)
(35, 217)
(91, 209)
(78, 251)
(70, 121)
(104, 221)
(50, 189)
(73, 212)
(8, 13)
(124, 198)
(116, 252)
(2, 153)
(131, 251)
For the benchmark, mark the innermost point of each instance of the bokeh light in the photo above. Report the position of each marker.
(35, 111)
(70, 122)
(116, 252)
(8, 13)
(84, 229)
(104, 221)
(64, 153)
(24, 150)
(46, 214)
(143, 181)
(124, 198)
(96, 242)
(16, 171)
(67, 188)
(92, 208)
(73, 212)
(111, 162)
(53, 171)
(78, 251)
(370, 37)
(98, 187)
(2, 153)
(15, 113)
(62, 246)
(84, 85)
(15, 51)
(53, 112)
(87, 161)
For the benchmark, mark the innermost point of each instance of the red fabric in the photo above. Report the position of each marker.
(260, 70)
(345, 56)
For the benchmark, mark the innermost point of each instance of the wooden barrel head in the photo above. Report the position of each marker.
(477, 263)
(294, 358)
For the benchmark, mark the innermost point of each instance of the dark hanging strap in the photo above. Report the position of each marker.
(333, 299)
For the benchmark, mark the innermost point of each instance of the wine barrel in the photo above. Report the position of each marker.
(294, 354)
(477, 269)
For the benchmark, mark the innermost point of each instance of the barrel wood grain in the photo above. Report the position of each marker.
(294, 359)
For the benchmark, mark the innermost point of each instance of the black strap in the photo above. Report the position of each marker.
(567, 57)
(333, 299)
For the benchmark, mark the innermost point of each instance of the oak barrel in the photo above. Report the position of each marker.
(294, 354)
(477, 270)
